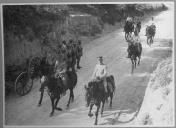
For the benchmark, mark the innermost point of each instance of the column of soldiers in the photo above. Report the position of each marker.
(71, 53)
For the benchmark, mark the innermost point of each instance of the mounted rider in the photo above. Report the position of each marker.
(131, 44)
(100, 73)
(151, 28)
(60, 72)
(129, 25)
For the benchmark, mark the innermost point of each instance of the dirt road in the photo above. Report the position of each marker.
(130, 89)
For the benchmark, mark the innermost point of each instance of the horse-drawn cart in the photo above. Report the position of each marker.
(21, 79)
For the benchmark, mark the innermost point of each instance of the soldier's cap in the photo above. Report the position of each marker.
(79, 41)
(70, 40)
(64, 42)
(100, 57)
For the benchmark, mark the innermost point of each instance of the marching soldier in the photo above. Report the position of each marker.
(74, 54)
(63, 50)
(69, 57)
(79, 53)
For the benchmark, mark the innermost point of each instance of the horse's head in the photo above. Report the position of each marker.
(89, 92)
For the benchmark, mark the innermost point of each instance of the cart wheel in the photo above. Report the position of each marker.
(23, 84)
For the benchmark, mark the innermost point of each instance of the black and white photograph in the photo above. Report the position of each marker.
(86, 64)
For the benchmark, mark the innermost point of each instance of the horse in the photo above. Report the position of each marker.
(56, 88)
(135, 51)
(95, 95)
(150, 30)
(128, 28)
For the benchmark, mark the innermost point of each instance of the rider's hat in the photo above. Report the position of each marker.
(100, 57)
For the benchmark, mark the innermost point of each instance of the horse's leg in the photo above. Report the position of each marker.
(135, 62)
(147, 40)
(69, 98)
(52, 104)
(90, 114)
(132, 68)
(111, 96)
(102, 109)
(139, 60)
(96, 114)
(125, 35)
(72, 95)
(41, 97)
(55, 105)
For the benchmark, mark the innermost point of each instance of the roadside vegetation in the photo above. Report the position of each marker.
(32, 30)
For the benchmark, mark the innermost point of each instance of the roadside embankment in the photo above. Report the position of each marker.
(158, 106)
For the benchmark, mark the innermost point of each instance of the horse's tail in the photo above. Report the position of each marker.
(112, 80)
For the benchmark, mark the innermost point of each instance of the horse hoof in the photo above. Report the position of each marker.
(51, 114)
(67, 107)
(59, 109)
(90, 114)
(39, 105)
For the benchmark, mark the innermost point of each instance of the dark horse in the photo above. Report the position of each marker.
(95, 95)
(56, 86)
(135, 51)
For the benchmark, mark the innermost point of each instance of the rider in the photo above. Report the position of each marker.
(60, 72)
(150, 25)
(100, 72)
(129, 24)
(129, 19)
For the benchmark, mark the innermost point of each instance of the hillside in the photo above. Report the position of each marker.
(157, 107)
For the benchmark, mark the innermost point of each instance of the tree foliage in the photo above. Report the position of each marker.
(36, 20)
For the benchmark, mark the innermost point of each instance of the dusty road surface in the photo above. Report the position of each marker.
(130, 89)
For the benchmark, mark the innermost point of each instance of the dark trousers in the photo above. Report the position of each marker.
(78, 60)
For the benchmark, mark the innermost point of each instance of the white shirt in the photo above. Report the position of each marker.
(100, 71)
